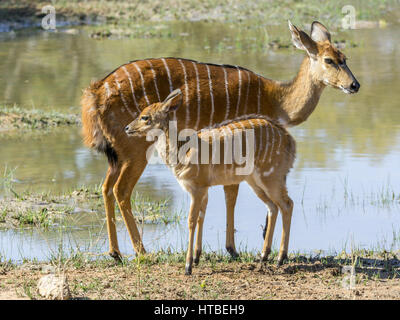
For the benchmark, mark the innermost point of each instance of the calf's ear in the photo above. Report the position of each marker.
(173, 101)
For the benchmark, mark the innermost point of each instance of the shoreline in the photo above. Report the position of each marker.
(28, 14)
(161, 276)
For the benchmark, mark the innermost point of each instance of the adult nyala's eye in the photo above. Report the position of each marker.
(144, 118)
(328, 61)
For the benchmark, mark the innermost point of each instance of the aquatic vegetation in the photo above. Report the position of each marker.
(147, 210)
(46, 210)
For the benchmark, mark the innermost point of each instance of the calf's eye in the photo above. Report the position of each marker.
(328, 61)
(144, 118)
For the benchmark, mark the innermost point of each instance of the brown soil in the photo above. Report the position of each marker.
(220, 280)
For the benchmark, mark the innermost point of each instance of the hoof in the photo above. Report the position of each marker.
(188, 270)
(232, 252)
(281, 260)
(116, 255)
(197, 257)
(264, 256)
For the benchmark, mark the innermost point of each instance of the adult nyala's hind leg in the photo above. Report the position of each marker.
(130, 174)
(109, 205)
(132, 165)
(199, 235)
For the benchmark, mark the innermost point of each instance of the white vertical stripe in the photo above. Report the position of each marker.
(247, 92)
(107, 89)
(154, 78)
(133, 92)
(232, 146)
(186, 94)
(255, 136)
(252, 127)
(226, 134)
(280, 140)
(169, 75)
(141, 77)
(211, 95)
(260, 133)
(227, 95)
(259, 96)
(267, 142)
(240, 88)
(123, 97)
(273, 143)
(198, 95)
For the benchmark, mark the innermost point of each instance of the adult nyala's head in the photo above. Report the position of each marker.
(328, 64)
(155, 116)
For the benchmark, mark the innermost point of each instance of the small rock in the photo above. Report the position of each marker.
(71, 31)
(48, 269)
(54, 287)
(30, 267)
(364, 24)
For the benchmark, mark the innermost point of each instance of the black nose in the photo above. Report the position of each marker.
(355, 86)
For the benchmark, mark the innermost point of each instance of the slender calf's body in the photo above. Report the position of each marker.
(211, 94)
(269, 148)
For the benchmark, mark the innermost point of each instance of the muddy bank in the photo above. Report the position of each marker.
(161, 276)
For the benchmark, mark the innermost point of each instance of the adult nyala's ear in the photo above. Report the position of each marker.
(319, 32)
(302, 41)
(173, 101)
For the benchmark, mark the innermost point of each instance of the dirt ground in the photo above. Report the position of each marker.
(210, 280)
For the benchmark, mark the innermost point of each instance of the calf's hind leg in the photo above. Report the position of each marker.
(270, 220)
(199, 234)
(231, 193)
(276, 190)
(197, 197)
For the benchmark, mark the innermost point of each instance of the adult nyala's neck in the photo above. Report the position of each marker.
(292, 102)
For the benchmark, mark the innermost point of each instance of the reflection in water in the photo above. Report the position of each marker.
(348, 151)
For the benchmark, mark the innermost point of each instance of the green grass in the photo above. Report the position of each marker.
(358, 258)
(17, 118)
